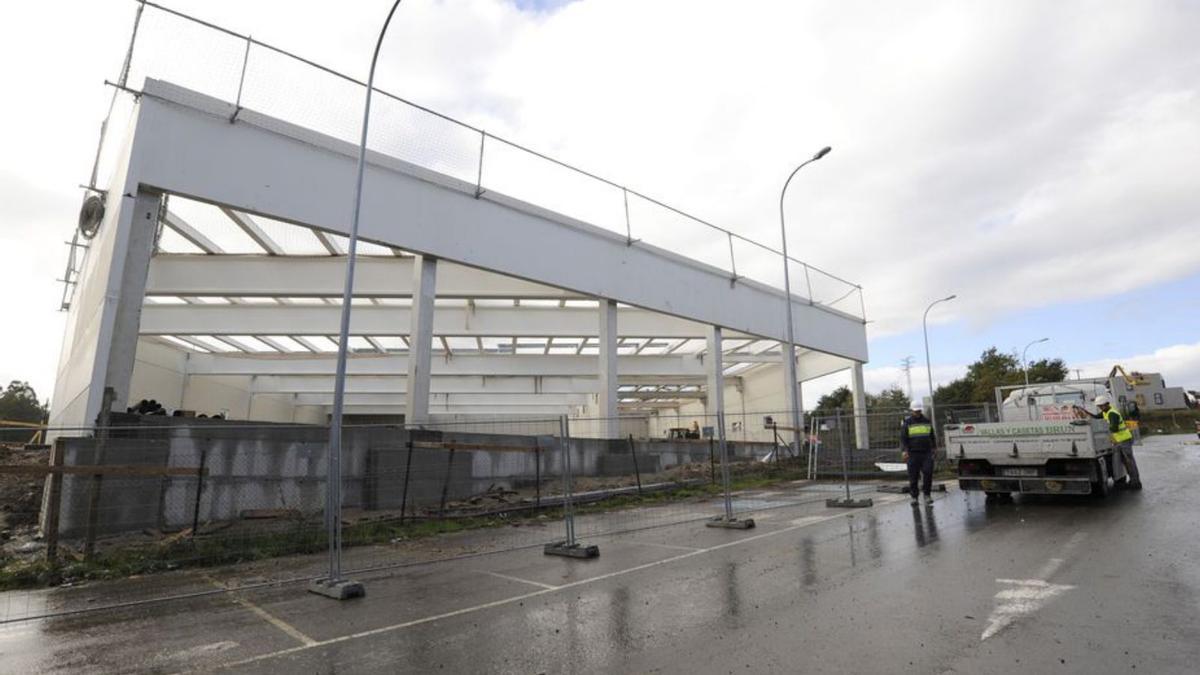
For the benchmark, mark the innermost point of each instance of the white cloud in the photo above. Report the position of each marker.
(1179, 365)
(1017, 153)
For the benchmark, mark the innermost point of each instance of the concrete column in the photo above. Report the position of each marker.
(715, 367)
(420, 341)
(791, 392)
(609, 426)
(134, 267)
(862, 437)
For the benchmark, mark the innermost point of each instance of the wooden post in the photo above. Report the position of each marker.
(637, 472)
(54, 502)
(407, 470)
(106, 401)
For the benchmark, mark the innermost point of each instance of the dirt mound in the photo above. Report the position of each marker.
(21, 495)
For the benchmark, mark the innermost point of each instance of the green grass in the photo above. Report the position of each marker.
(1173, 422)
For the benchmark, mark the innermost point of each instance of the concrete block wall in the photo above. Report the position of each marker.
(265, 466)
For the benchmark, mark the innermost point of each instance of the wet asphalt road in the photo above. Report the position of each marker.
(1039, 585)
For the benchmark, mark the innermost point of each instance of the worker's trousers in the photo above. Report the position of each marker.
(920, 467)
(1126, 450)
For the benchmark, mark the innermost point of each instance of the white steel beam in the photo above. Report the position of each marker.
(862, 437)
(267, 166)
(306, 343)
(542, 413)
(656, 368)
(454, 384)
(374, 344)
(322, 276)
(253, 231)
(387, 320)
(272, 343)
(812, 365)
(400, 401)
(715, 402)
(328, 242)
(185, 230)
(610, 426)
(130, 272)
(416, 407)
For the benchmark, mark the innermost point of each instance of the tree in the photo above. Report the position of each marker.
(838, 399)
(19, 403)
(892, 398)
(958, 391)
(994, 369)
(1048, 370)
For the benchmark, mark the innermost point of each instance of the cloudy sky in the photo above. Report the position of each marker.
(1040, 160)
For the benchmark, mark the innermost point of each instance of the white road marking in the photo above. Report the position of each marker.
(1023, 597)
(267, 616)
(522, 598)
(520, 580)
(1048, 569)
(806, 520)
(201, 651)
(675, 547)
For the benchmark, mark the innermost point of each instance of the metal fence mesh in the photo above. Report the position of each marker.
(157, 494)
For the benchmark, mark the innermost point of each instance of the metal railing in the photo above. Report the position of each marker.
(253, 75)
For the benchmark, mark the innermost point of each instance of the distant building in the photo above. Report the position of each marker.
(1149, 391)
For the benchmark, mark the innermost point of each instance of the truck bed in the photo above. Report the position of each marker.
(1040, 457)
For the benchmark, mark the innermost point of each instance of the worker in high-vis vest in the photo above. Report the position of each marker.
(1122, 437)
(918, 441)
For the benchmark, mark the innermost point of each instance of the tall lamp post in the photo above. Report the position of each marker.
(789, 349)
(1025, 367)
(928, 363)
(1024, 363)
(334, 585)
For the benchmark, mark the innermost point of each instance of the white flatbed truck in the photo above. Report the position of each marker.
(1037, 456)
(1058, 457)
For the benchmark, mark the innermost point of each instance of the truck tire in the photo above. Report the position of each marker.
(1100, 487)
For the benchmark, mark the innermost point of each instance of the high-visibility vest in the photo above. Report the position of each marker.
(920, 429)
(1122, 433)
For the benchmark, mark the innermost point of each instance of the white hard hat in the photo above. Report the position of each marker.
(1103, 399)
(917, 405)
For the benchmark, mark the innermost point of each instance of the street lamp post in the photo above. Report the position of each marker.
(1025, 367)
(789, 348)
(928, 363)
(1025, 364)
(334, 585)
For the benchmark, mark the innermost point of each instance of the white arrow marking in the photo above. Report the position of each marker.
(1022, 598)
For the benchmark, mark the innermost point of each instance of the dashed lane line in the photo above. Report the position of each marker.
(520, 580)
(267, 616)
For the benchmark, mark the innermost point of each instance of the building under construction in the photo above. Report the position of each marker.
(493, 281)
